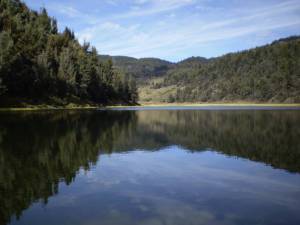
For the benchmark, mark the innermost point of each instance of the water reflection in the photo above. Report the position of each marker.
(42, 153)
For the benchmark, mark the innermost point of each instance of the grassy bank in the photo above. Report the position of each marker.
(235, 104)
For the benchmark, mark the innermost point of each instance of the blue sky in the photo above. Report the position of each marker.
(175, 29)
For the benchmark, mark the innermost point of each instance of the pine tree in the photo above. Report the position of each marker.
(67, 72)
(133, 90)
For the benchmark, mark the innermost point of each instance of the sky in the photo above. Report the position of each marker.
(175, 29)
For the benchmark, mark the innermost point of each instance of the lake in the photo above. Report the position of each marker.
(156, 166)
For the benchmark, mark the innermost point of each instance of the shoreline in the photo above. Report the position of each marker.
(90, 107)
(213, 104)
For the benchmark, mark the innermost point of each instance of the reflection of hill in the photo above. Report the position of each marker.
(37, 150)
(271, 137)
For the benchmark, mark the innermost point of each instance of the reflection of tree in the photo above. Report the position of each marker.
(38, 150)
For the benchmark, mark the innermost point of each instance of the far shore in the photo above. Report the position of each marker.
(148, 104)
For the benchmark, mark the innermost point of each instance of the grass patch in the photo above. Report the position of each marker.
(150, 94)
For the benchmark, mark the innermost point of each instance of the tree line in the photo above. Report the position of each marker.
(40, 64)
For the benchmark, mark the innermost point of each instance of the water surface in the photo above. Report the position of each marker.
(179, 166)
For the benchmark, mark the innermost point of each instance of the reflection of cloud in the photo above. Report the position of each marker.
(172, 186)
(170, 211)
(64, 201)
(176, 212)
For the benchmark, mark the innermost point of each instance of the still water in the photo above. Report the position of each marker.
(156, 167)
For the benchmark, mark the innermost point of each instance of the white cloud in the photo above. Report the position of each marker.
(112, 2)
(111, 26)
(155, 7)
(163, 38)
(139, 2)
(69, 11)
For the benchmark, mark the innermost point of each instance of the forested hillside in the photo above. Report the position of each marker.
(39, 64)
(268, 73)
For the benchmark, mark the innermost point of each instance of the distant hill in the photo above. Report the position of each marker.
(192, 61)
(141, 69)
